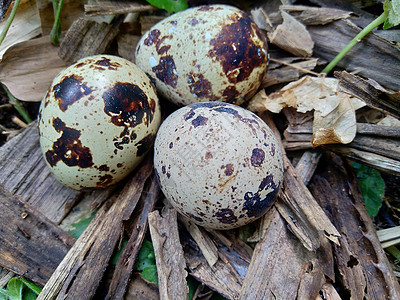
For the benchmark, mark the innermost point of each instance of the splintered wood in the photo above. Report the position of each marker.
(82, 269)
(169, 255)
(30, 244)
(361, 261)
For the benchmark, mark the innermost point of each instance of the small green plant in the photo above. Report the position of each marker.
(146, 262)
(55, 33)
(19, 288)
(390, 17)
(372, 188)
(170, 6)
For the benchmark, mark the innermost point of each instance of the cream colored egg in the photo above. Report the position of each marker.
(97, 121)
(205, 53)
(218, 164)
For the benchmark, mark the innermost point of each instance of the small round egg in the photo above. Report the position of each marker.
(218, 164)
(205, 53)
(97, 121)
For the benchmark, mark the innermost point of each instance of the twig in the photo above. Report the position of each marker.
(295, 67)
(9, 21)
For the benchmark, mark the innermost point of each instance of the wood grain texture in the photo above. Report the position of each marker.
(82, 269)
(364, 267)
(373, 57)
(30, 244)
(139, 227)
(169, 255)
(24, 173)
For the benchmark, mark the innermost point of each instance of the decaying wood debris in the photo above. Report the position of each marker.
(317, 230)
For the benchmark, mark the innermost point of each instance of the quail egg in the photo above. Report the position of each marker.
(97, 121)
(205, 53)
(218, 164)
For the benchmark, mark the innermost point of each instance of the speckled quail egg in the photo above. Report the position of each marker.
(205, 53)
(218, 164)
(97, 121)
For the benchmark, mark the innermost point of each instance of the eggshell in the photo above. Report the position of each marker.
(218, 164)
(205, 53)
(97, 121)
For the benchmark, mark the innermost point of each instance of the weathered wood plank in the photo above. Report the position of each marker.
(373, 57)
(24, 173)
(80, 272)
(364, 267)
(30, 244)
(169, 255)
(127, 258)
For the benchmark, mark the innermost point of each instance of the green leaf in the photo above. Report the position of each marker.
(372, 187)
(146, 262)
(80, 227)
(146, 256)
(150, 273)
(29, 295)
(31, 286)
(14, 288)
(192, 284)
(394, 13)
(170, 5)
(116, 255)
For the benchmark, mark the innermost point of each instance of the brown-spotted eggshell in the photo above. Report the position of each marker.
(205, 53)
(218, 164)
(97, 121)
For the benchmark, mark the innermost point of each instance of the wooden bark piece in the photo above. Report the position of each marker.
(115, 7)
(309, 15)
(169, 255)
(219, 277)
(204, 242)
(281, 268)
(30, 244)
(373, 57)
(81, 271)
(361, 260)
(28, 68)
(293, 37)
(24, 173)
(86, 38)
(127, 258)
(139, 289)
(371, 92)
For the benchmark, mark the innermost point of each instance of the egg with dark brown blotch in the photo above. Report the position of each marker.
(218, 164)
(205, 53)
(97, 121)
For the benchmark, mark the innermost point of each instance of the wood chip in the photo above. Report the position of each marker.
(364, 267)
(101, 7)
(24, 173)
(371, 92)
(127, 258)
(293, 37)
(85, 38)
(169, 255)
(309, 15)
(202, 240)
(30, 244)
(140, 289)
(279, 252)
(81, 271)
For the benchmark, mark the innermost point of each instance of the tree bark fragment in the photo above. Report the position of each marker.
(30, 244)
(82, 269)
(169, 255)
